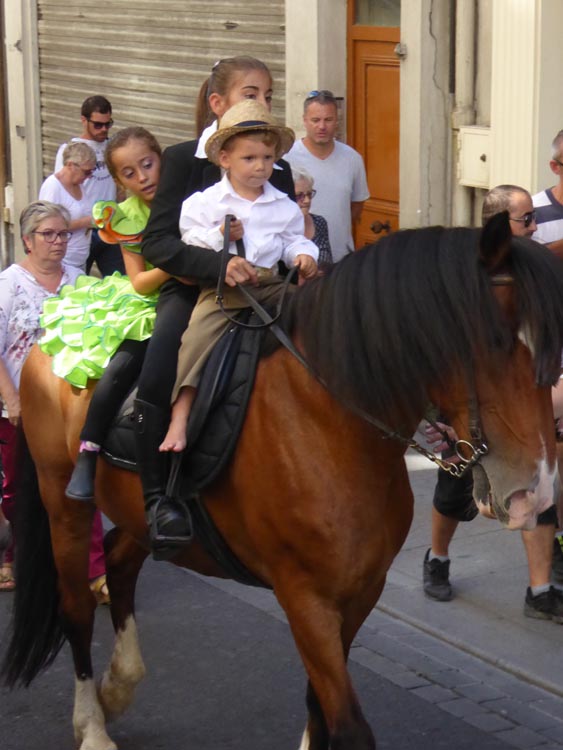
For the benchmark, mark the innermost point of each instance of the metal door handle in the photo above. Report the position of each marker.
(378, 227)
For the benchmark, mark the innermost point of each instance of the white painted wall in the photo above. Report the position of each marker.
(425, 151)
(22, 94)
(526, 99)
(548, 110)
(315, 55)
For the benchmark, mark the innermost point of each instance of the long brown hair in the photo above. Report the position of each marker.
(219, 82)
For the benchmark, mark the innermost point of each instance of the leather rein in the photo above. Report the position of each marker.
(476, 447)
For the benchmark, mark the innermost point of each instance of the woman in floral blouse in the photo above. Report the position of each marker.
(23, 288)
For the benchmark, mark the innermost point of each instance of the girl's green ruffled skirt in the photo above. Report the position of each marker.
(86, 323)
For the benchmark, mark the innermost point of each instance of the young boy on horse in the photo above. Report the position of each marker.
(246, 146)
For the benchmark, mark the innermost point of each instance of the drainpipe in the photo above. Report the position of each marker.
(464, 100)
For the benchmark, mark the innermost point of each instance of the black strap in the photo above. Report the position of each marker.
(213, 541)
(224, 257)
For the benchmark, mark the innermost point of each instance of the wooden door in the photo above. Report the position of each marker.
(373, 110)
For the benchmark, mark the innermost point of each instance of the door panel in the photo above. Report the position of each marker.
(373, 116)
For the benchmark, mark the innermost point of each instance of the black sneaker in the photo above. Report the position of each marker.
(436, 579)
(545, 606)
(557, 562)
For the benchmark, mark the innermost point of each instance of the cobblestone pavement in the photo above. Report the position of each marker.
(475, 662)
(477, 657)
(483, 695)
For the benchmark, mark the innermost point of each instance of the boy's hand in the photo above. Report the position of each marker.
(307, 267)
(236, 230)
(240, 271)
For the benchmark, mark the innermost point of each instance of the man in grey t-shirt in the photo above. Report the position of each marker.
(95, 116)
(338, 171)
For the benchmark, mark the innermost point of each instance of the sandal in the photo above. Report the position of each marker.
(7, 580)
(99, 588)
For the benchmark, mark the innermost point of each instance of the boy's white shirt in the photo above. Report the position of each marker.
(273, 224)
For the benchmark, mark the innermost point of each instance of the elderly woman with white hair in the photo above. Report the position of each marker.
(65, 188)
(316, 228)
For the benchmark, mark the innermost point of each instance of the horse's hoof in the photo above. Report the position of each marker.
(98, 741)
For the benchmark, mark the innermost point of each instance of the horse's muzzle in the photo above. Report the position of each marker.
(520, 508)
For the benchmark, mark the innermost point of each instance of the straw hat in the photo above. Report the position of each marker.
(244, 117)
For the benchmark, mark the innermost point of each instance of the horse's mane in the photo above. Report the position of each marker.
(395, 317)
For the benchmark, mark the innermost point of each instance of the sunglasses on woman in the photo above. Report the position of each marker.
(526, 219)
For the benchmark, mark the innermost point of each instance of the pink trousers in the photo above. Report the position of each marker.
(97, 566)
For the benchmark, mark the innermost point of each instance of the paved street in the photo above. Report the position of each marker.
(472, 674)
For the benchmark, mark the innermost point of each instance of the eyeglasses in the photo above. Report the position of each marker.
(301, 196)
(50, 236)
(321, 94)
(528, 218)
(85, 172)
(99, 125)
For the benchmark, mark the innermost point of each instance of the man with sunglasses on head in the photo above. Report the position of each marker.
(337, 169)
(96, 119)
(549, 203)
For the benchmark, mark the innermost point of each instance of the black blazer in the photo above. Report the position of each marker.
(181, 175)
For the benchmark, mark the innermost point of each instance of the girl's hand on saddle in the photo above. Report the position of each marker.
(240, 271)
(307, 267)
(236, 230)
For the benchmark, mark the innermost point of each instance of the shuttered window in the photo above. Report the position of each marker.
(148, 57)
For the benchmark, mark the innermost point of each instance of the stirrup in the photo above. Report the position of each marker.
(165, 546)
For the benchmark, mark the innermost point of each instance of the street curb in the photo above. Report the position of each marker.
(458, 643)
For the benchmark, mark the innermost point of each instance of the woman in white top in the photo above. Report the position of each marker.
(64, 187)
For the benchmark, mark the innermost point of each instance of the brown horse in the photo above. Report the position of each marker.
(316, 501)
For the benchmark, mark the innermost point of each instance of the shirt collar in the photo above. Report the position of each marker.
(204, 137)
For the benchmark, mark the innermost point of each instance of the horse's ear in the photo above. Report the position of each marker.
(494, 244)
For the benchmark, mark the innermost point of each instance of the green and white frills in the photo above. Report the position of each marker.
(85, 324)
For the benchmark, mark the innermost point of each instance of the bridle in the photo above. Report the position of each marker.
(477, 446)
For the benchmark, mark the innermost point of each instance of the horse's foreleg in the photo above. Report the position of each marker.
(335, 717)
(316, 732)
(124, 559)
